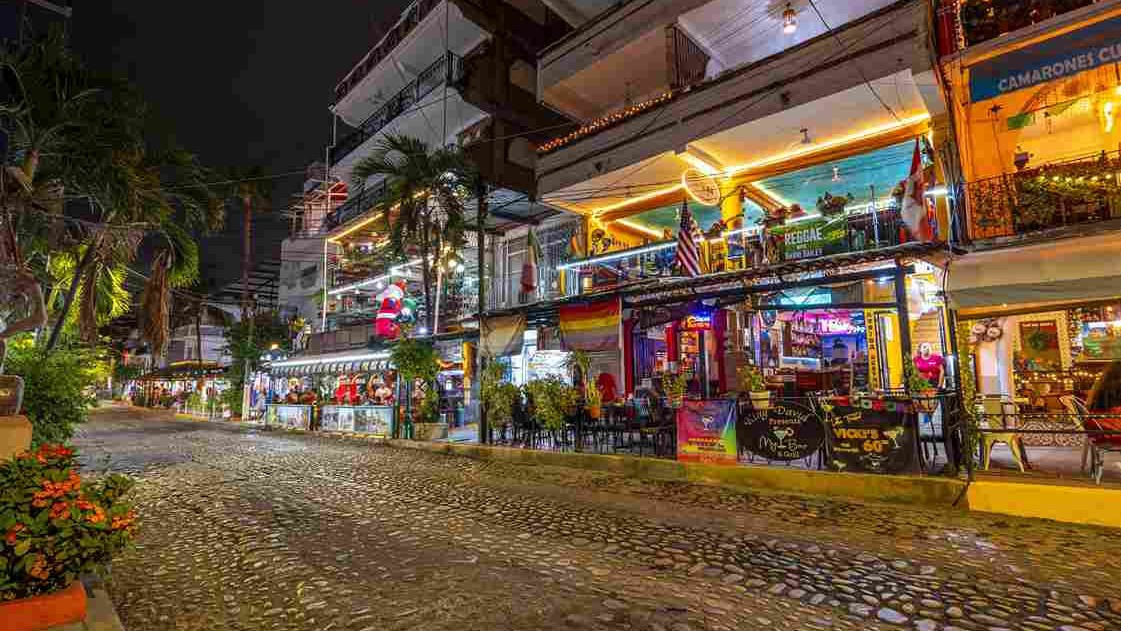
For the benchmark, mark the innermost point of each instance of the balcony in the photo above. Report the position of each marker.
(445, 71)
(1053, 199)
(983, 20)
(412, 17)
(356, 205)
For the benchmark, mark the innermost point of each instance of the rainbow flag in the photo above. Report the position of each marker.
(592, 326)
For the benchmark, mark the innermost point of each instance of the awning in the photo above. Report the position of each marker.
(1041, 276)
(330, 364)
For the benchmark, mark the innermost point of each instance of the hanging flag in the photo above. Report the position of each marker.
(592, 326)
(686, 253)
(914, 209)
(1021, 121)
(529, 267)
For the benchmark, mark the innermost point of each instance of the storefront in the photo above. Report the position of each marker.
(188, 387)
(350, 393)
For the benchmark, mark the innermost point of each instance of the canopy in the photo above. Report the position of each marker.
(1043, 276)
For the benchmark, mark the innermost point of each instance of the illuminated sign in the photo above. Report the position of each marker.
(697, 322)
(838, 326)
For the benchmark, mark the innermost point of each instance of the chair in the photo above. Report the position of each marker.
(1076, 409)
(992, 407)
(1097, 448)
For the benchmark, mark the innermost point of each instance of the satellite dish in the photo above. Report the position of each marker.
(704, 189)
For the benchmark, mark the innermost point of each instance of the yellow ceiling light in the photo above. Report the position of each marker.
(639, 228)
(688, 156)
(773, 195)
(365, 222)
(871, 132)
(636, 200)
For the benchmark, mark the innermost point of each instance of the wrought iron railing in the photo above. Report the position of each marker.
(982, 20)
(411, 17)
(356, 205)
(1082, 191)
(447, 70)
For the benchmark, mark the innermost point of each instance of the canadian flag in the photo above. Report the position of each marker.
(915, 210)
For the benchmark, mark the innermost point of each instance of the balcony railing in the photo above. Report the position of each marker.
(356, 205)
(982, 20)
(1052, 196)
(412, 16)
(447, 70)
(812, 238)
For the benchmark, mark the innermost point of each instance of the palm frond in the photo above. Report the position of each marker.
(155, 305)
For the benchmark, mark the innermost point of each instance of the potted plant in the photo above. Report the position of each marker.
(752, 382)
(418, 361)
(53, 529)
(674, 387)
(497, 395)
(593, 400)
(553, 401)
(922, 393)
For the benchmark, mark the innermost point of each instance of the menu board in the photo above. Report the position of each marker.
(288, 416)
(870, 441)
(369, 419)
(706, 431)
(787, 431)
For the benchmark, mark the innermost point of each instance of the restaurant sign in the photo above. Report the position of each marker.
(697, 322)
(870, 440)
(706, 431)
(811, 238)
(1060, 57)
(787, 431)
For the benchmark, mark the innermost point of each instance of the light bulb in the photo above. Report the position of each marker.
(789, 20)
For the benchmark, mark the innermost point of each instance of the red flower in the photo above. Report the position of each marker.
(60, 509)
(38, 568)
(12, 532)
(84, 504)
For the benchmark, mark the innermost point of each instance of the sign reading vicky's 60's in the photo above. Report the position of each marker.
(1092, 46)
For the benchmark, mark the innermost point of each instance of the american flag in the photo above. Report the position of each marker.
(686, 253)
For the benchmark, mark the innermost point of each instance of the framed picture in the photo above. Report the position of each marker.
(1039, 345)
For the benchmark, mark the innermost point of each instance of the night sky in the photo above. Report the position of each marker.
(239, 83)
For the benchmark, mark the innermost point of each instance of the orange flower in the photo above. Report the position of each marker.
(97, 516)
(60, 509)
(12, 532)
(40, 503)
(123, 521)
(38, 568)
(84, 504)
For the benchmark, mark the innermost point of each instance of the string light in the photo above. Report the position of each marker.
(604, 122)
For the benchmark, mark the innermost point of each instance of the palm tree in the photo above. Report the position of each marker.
(79, 137)
(247, 187)
(426, 191)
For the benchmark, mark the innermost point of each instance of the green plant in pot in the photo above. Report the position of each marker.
(498, 395)
(673, 385)
(752, 382)
(922, 393)
(419, 360)
(553, 401)
(53, 528)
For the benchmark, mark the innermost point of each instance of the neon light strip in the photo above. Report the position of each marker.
(330, 360)
(658, 247)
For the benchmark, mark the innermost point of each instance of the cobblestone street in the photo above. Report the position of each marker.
(246, 529)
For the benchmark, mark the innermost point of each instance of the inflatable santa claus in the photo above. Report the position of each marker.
(386, 325)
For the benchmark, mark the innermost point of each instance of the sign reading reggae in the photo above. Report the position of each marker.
(812, 238)
(706, 431)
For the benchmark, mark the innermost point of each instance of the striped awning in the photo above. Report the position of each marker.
(314, 367)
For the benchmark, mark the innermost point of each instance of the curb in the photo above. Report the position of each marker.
(100, 613)
(924, 491)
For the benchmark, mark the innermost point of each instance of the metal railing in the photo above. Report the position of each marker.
(411, 17)
(1080, 191)
(447, 70)
(982, 21)
(355, 206)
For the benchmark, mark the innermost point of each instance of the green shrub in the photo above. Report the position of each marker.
(54, 527)
(55, 399)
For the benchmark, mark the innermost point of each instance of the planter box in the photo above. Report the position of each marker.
(430, 431)
(42, 612)
(15, 436)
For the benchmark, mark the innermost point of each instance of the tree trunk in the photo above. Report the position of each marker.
(426, 272)
(246, 259)
(71, 292)
(198, 331)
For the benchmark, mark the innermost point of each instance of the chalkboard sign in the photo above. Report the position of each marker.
(870, 441)
(787, 431)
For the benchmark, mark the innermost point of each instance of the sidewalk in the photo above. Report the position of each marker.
(100, 613)
(1065, 501)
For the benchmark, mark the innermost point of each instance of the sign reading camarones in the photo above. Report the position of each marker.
(1095, 45)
